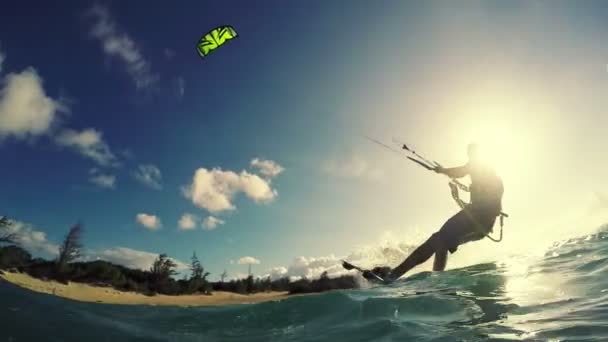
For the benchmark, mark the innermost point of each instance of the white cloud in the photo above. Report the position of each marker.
(89, 143)
(2, 58)
(268, 168)
(276, 272)
(355, 167)
(187, 222)
(149, 175)
(118, 44)
(237, 276)
(151, 222)
(102, 180)
(25, 109)
(313, 267)
(247, 260)
(255, 187)
(389, 250)
(212, 222)
(214, 190)
(33, 240)
(131, 258)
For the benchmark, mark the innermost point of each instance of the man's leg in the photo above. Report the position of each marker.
(420, 255)
(438, 244)
(441, 259)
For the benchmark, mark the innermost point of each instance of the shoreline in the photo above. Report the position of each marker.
(108, 295)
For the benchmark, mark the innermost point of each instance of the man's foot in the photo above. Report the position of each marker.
(377, 272)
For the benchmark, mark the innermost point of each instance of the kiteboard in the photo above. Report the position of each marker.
(367, 274)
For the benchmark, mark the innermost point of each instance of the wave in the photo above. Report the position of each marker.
(561, 295)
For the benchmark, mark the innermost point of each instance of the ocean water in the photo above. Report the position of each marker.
(561, 296)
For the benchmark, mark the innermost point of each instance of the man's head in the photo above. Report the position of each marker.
(480, 159)
(473, 152)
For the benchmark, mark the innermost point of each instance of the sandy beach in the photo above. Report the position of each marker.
(95, 294)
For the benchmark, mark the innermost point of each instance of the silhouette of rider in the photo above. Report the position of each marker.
(472, 223)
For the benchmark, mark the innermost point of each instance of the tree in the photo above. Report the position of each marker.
(163, 267)
(250, 284)
(196, 268)
(198, 279)
(13, 256)
(70, 248)
(266, 284)
(6, 235)
(161, 271)
(223, 276)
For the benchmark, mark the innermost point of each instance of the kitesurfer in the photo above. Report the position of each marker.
(472, 223)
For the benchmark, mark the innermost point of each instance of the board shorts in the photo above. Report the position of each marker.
(469, 224)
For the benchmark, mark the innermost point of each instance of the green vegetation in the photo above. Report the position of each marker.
(303, 285)
(198, 278)
(6, 235)
(158, 279)
(14, 257)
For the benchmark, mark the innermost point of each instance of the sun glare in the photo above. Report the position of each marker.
(499, 147)
(505, 120)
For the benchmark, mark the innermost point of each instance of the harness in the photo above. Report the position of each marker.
(454, 186)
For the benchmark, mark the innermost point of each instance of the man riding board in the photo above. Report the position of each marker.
(472, 223)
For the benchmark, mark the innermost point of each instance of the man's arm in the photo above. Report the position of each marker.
(454, 172)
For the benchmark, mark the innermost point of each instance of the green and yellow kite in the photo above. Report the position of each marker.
(214, 39)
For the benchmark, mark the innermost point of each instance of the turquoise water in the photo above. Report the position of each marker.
(562, 296)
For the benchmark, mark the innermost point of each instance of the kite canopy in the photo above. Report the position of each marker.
(214, 39)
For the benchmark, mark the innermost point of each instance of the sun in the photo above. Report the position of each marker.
(499, 147)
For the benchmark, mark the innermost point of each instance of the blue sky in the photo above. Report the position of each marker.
(116, 89)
